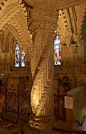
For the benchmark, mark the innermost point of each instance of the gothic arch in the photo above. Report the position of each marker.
(10, 27)
(13, 16)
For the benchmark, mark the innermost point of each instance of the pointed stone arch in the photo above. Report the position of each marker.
(13, 17)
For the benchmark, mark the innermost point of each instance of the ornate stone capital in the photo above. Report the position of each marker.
(43, 19)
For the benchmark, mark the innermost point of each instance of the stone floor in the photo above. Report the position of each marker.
(7, 127)
(16, 125)
(27, 129)
(12, 124)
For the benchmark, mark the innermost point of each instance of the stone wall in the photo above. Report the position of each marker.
(79, 107)
(72, 65)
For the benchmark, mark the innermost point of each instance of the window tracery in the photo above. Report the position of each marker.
(23, 58)
(57, 51)
(19, 56)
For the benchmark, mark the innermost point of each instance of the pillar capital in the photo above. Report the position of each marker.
(43, 19)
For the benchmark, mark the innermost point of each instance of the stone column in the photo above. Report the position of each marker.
(42, 25)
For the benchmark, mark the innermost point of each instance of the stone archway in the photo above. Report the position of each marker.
(13, 17)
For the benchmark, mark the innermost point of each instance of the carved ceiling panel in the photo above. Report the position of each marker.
(59, 4)
(70, 23)
(71, 13)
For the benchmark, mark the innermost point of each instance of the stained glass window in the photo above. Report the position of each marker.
(23, 58)
(16, 55)
(57, 51)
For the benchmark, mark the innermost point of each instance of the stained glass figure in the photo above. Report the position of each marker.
(57, 51)
(23, 58)
(16, 55)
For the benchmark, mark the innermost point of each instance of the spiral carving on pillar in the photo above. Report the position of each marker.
(42, 27)
(41, 102)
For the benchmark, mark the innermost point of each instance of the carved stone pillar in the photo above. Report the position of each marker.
(42, 25)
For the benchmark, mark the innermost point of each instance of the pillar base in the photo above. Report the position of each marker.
(28, 130)
(39, 124)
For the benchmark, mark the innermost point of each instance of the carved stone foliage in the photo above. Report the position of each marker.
(41, 94)
(43, 19)
(43, 25)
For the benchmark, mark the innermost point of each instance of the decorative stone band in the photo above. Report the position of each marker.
(41, 24)
(42, 18)
(39, 74)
